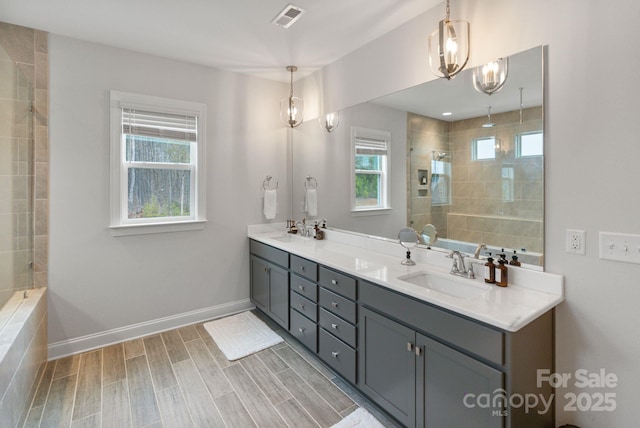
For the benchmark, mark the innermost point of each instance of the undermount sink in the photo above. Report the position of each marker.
(456, 287)
(289, 237)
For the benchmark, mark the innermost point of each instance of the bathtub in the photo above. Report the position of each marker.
(23, 353)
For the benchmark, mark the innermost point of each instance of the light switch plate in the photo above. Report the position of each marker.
(621, 247)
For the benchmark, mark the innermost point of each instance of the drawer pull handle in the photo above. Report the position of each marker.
(335, 354)
(334, 326)
(334, 304)
(301, 330)
(302, 268)
(301, 306)
(418, 351)
(334, 281)
(409, 346)
(301, 287)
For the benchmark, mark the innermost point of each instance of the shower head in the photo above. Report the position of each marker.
(438, 156)
(489, 124)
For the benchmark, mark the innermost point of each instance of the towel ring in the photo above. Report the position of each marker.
(308, 185)
(267, 182)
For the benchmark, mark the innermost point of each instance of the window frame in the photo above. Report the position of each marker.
(120, 224)
(518, 143)
(384, 205)
(474, 148)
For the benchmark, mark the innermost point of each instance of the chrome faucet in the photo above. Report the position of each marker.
(476, 253)
(458, 267)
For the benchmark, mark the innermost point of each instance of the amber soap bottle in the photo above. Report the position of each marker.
(502, 273)
(490, 271)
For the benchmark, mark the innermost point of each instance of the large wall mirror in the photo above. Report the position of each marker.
(475, 175)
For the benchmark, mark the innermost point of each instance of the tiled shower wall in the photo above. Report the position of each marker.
(28, 48)
(23, 342)
(478, 212)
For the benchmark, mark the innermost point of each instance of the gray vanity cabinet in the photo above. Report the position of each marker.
(424, 365)
(304, 302)
(444, 378)
(270, 282)
(420, 381)
(387, 368)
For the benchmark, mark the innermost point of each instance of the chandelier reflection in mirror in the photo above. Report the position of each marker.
(449, 47)
(291, 108)
(329, 121)
(490, 78)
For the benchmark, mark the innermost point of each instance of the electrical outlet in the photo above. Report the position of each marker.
(576, 243)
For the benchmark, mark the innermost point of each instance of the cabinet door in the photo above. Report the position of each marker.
(260, 283)
(449, 384)
(279, 295)
(386, 371)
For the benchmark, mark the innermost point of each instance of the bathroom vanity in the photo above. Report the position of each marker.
(428, 349)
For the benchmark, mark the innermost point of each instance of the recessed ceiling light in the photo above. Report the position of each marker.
(447, 113)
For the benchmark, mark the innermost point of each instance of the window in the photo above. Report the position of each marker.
(483, 148)
(529, 144)
(370, 182)
(157, 164)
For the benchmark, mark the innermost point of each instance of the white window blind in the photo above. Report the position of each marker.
(368, 146)
(159, 125)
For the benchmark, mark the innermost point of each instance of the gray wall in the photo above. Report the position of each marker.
(105, 288)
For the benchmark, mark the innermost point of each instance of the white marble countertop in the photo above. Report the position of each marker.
(530, 293)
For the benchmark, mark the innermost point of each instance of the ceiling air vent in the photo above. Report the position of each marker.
(288, 16)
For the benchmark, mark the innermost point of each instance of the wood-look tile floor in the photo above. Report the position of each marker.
(180, 378)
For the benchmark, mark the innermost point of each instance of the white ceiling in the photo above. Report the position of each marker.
(234, 35)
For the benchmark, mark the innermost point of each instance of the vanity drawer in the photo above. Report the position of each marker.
(269, 253)
(340, 356)
(304, 267)
(304, 287)
(459, 331)
(338, 327)
(338, 305)
(338, 283)
(305, 306)
(304, 330)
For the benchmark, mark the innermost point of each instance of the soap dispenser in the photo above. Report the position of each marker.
(514, 259)
(502, 277)
(490, 271)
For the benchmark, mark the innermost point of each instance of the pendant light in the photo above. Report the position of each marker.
(329, 121)
(449, 47)
(291, 108)
(490, 78)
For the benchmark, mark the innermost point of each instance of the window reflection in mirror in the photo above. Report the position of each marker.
(498, 200)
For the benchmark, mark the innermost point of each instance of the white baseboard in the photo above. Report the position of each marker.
(122, 334)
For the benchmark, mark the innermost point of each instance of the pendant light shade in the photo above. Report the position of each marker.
(449, 47)
(291, 108)
(329, 121)
(491, 77)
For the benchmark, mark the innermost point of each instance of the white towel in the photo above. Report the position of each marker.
(311, 202)
(270, 203)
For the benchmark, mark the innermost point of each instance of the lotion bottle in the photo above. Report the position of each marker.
(502, 273)
(490, 271)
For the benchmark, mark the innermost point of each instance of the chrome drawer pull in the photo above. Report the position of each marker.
(301, 287)
(301, 306)
(334, 304)
(302, 268)
(334, 326)
(334, 282)
(409, 346)
(301, 330)
(335, 354)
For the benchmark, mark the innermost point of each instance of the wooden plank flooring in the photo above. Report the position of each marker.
(180, 378)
